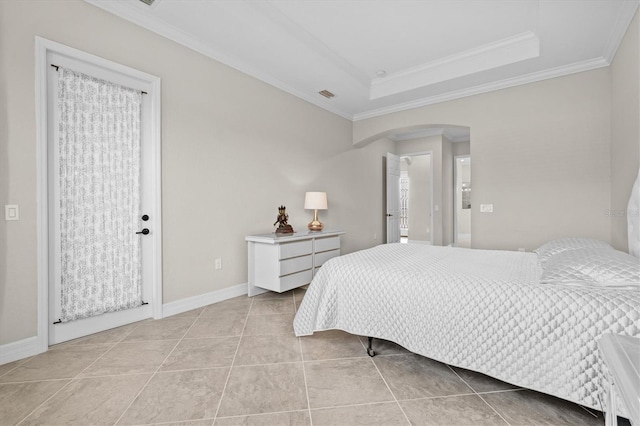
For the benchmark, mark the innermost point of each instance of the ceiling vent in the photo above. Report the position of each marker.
(148, 2)
(327, 94)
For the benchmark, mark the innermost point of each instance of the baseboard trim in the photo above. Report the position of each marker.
(25, 348)
(195, 302)
(15, 351)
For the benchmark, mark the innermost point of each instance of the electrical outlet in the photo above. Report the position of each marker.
(218, 263)
(375, 235)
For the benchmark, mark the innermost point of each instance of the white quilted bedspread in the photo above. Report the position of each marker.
(483, 310)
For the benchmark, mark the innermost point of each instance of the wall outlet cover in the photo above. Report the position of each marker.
(11, 212)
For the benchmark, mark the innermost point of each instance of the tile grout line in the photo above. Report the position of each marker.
(46, 400)
(388, 387)
(238, 416)
(496, 411)
(177, 422)
(390, 401)
(233, 361)
(106, 352)
(20, 362)
(477, 394)
(157, 369)
(304, 370)
(70, 379)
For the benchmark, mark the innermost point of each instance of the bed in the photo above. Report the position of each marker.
(519, 317)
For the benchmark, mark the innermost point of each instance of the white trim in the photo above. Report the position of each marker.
(195, 302)
(493, 55)
(484, 88)
(42, 47)
(32, 346)
(455, 199)
(19, 350)
(144, 20)
(42, 216)
(129, 12)
(303, 36)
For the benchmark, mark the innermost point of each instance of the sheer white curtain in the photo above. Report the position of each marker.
(99, 152)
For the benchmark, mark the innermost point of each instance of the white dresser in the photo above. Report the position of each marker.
(281, 263)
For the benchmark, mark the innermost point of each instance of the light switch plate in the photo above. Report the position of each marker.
(486, 208)
(11, 212)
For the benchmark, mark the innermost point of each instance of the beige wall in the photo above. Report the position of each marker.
(540, 156)
(625, 130)
(233, 150)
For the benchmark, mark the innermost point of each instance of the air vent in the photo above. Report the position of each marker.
(148, 2)
(327, 94)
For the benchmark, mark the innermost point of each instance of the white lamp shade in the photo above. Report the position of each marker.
(315, 200)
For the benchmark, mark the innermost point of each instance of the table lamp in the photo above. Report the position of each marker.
(315, 201)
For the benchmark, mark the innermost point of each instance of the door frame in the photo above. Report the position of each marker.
(42, 48)
(455, 197)
(388, 215)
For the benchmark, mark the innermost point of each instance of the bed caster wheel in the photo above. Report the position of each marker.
(371, 352)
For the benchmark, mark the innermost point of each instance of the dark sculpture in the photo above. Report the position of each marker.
(283, 226)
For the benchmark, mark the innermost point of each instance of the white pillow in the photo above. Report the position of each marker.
(601, 267)
(546, 251)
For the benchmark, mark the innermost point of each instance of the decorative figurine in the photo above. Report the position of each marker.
(283, 226)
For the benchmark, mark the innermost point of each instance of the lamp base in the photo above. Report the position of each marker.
(315, 226)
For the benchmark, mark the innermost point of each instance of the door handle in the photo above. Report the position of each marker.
(144, 231)
(389, 214)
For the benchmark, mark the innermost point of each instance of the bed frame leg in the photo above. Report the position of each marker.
(370, 350)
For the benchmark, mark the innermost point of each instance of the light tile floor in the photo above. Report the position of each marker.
(238, 363)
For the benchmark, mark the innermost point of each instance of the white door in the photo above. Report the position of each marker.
(393, 198)
(146, 217)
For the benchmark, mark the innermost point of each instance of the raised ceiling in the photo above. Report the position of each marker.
(381, 56)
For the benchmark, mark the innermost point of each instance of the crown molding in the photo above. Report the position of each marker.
(484, 88)
(489, 56)
(310, 41)
(625, 16)
(132, 14)
(136, 15)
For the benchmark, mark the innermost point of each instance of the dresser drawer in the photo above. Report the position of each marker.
(295, 264)
(294, 280)
(299, 248)
(325, 244)
(320, 258)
